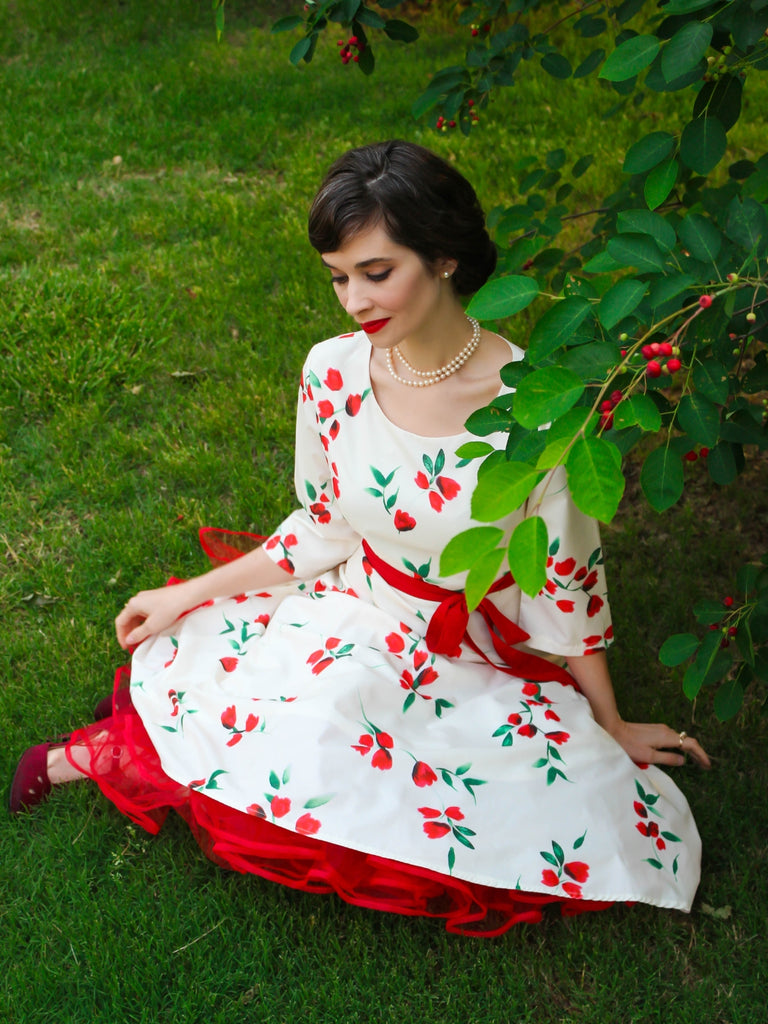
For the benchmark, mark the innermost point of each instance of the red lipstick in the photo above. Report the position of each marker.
(372, 326)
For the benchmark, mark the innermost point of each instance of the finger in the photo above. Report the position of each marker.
(694, 748)
(666, 757)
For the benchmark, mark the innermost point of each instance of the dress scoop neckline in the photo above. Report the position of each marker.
(503, 390)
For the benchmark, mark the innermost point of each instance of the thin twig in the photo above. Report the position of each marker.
(213, 929)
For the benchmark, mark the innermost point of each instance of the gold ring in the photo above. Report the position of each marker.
(683, 736)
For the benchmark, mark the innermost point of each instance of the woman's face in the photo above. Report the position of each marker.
(386, 287)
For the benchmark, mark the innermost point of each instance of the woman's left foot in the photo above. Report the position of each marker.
(31, 783)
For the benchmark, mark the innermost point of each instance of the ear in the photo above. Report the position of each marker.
(446, 267)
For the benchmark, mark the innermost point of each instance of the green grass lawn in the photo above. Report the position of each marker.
(157, 295)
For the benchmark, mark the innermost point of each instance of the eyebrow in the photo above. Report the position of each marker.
(363, 263)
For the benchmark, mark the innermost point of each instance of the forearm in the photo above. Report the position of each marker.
(152, 611)
(253, 571)
(591, 673)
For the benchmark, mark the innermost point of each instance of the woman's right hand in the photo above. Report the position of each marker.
(150, 612)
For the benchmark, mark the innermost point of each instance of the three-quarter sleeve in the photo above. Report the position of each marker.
(570, 615)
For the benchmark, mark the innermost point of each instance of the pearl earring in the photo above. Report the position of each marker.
(446, 273)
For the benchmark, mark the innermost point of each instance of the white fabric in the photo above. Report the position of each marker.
(319, 705)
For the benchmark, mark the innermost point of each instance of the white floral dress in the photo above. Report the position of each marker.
(318, 712)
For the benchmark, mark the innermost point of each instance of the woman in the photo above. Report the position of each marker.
(324, 715)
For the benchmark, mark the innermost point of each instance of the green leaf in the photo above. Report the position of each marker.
(575, 421)
(595, 479)
(710, 378)
(685, 49)
(286, 24)
(463, 550)
(274, 780)
(729, 699)
(582, 165)
(502, 297)
(665, 289)
(659, 183)
(721, 464)
(648, 152)
(318, 801)
(631, 57)
(553, 454)
(638, 409)
(557, 326)
(700, 419)
(591, 362)
(661, 478)
(590, 63)
(546, 394)
(401, 31)
(487, 421)
(527, 554)
(687, 6)
(474, 450)
(678, 648)
(619, 301)
(720, 99)
(300, 50)
(747, 225)
(502, 490)
(481, 576)
(636, 251)
(700, 237)
(556, 65)
(703, 144)
(645, 222)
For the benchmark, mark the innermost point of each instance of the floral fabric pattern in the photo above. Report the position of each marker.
(319, 707)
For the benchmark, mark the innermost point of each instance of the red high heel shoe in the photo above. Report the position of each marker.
(31, 784)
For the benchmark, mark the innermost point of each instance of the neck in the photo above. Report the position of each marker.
(447, 334)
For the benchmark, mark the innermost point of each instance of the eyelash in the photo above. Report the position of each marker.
(376, 278)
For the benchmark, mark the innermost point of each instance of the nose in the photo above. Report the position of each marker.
(357, 299)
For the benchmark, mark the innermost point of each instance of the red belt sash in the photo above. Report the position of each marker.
(448, 627)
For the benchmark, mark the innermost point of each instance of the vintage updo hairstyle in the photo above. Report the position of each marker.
(422, 202)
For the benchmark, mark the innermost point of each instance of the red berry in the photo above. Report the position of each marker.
(647, 351)
(690, 456)
(615, 398)
(703, 452)
(705, 301)
(728, 602)
(655, 348)
(606, 420)
(451, 124)
(673, 365)
(731, 631)
(474, 32)
(470, 103)
(352, 40)
(653, 369)
(665, 348)
(606, 406)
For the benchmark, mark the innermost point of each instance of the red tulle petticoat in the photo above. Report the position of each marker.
(119, 756)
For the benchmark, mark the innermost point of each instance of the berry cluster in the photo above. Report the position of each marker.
(346, 54)
(606, 409)
(729, 632)
(656, 353)
(443, 125)
(693, 455)
(477, 29)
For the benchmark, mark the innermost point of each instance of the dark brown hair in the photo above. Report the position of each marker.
(422, 202)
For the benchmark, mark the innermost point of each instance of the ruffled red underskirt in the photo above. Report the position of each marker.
(119, 756)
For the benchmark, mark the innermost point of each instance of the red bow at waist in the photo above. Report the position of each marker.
(448, 627)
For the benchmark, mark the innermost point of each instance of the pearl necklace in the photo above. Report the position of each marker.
(427, 377)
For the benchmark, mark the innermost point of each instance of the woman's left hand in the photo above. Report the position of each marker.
(658, 744)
